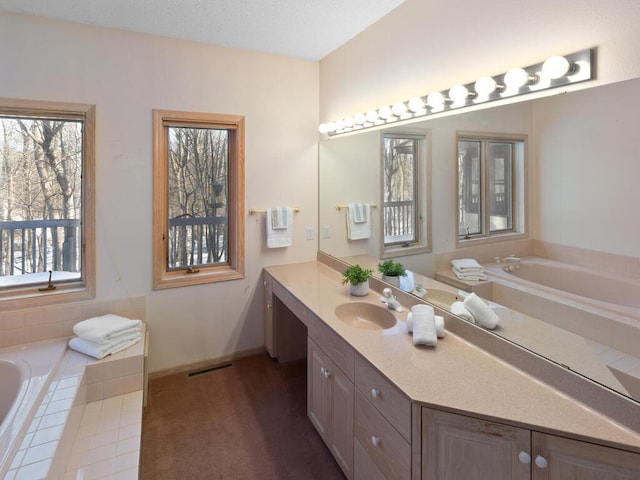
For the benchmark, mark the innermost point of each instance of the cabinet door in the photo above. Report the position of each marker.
(568, 459)
(319, 391)
(341, 444)
(269, 327)
(457, 447)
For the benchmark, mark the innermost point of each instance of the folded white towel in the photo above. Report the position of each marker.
(358, 221)
(439, 321)
(469, 274)
(102, 329)
(466, 264)
(424, 325)
(484, 316)
(458, 308)
(99, 351)
(282, 234)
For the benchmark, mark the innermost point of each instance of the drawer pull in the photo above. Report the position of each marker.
(375, 393)
(375, 441)
(325, 372)
(541, 462)
(268, 306)
(524, 457)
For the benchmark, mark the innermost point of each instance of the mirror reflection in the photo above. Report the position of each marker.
(565, 278)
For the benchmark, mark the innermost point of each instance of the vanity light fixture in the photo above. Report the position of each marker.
(556, 71)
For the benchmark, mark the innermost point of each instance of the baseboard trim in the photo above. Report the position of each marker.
(211, 362)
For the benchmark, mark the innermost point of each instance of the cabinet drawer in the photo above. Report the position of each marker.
(385, 396)
(364, 468)
(385, 446)
(333, 345)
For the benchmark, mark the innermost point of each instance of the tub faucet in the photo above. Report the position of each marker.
(511, 258)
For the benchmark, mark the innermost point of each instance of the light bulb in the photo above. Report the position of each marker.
(516, 78)
(323, 128)
(435, 100)
(556, 67)
(384, 112)
(360, 118)
(399, 109)
(331, 127)
(459, 93)
(416, 104)
(349, 121)
(339, 125)
(371, 116)
(485, 86)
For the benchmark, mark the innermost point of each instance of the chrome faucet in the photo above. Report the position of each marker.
(390, 300)
(511, 258)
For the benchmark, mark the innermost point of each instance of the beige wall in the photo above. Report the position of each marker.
(127, 75)
(431, 45)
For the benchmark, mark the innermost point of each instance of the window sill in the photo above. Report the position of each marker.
(503, 237)
(29, 298)
(182, 279)
(399, 251)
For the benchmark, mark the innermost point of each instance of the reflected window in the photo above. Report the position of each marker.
(404, 198)
(490, 186)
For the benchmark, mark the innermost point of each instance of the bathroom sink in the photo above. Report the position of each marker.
(441, 298)
(365, 315)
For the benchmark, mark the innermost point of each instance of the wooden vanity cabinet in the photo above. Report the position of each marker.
(457, 446)
(330, 404)
(269, 322)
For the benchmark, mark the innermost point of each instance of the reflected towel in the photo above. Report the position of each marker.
(282, 234)
(105, 328)
(99, 351)
(483, 314)
(474, 275)
(458, 308)
(462, 264)
(358, 221)
(439, 321)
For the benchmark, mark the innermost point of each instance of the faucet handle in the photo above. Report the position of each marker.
(497, 259)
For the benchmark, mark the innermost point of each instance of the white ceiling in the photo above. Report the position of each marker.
(306, 29)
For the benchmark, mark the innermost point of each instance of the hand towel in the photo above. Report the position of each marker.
(99, 351)
(424, 326)
(466, 264)
(458, 308)
(102, 329)
(484, 316)
(439, 321)
(282, 234)
(358, 224)
(469, 274)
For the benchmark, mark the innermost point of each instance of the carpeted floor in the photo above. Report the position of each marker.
(247, 421)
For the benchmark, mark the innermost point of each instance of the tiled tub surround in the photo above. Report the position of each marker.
(85, 422)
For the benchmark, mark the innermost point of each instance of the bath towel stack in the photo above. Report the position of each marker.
(105, 335)
(358, 221)
(425, 326)
(475, 310)
(468, 269)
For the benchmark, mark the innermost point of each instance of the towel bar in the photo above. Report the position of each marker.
(372, 205)
(253, 211)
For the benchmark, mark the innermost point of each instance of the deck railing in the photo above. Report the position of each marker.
(197, 241)
(32, 246)
(399, 221)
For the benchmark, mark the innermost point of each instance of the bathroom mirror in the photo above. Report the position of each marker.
(582, 174)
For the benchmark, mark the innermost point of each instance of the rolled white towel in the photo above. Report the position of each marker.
(458, 308)
(424, 326)
(439, 321)
(105, 328)
(466, 264)
(484, 316)
(100, 351)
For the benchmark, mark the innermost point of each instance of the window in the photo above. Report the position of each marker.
(404, 206)
(46, 202)
(198, 198)
(490, 186)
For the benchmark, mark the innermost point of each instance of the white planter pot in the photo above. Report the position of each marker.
(360, 290)
(392, 280)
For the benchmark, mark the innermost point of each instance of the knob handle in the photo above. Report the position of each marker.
(375, 393)
(325, 372)
(541, 462)
(375, 441)
(524, 457)
(269, 306)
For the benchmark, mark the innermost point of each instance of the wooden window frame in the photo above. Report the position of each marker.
(29, 296)
(163, 277)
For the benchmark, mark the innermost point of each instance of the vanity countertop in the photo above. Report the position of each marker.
(455, 375)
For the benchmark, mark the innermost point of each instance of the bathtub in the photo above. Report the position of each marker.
(571, 285)
(25, 374)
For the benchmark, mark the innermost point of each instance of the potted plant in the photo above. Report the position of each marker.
(391, 272)
(358, 280)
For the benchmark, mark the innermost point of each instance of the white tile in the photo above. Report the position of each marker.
(10, 475)
(35, 471)
(39, 452)
(627, 363)
(128, 445)
(53, 419)
(17, 459)
(126, 461)
(94, 471)
(47, 435)
(103, 452)
(59, 406)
